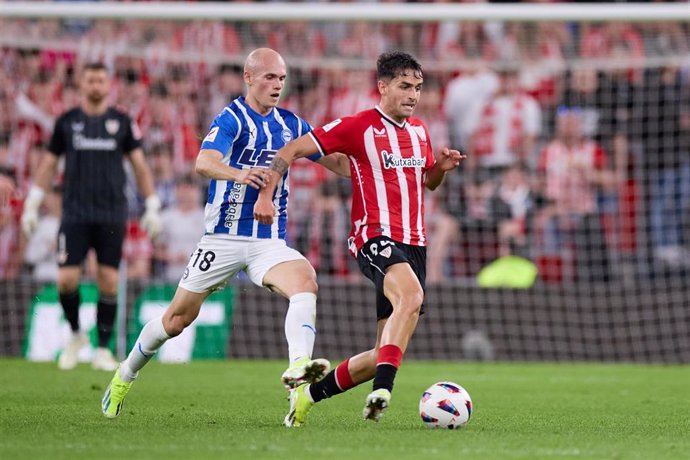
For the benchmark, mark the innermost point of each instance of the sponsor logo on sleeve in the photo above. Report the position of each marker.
(332, 124)
(211, 136)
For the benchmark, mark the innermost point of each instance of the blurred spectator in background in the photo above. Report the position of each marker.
(160, 159)
(327, 223)
(471, 42)
(41, 250)
(506, 128)
(613, 40)
(225, 86)
(158, 126)
(355, 91)
(132, 94)
(664, 38)
(464, 98)
(137, 251)
(182, 226)
(513, 205)
(665, 135)
(572, 171)
(541, 52)
(364, 40)
(10, 244)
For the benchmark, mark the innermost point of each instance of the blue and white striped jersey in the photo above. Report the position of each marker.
(247, 139)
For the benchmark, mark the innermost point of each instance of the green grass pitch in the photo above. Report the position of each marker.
(234, 410)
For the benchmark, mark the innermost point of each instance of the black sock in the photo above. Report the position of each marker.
(105, 318)
(385, 375)
(70, 306)
(324, 388)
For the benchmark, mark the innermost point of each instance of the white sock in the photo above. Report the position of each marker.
(151, 338)
(300, 325)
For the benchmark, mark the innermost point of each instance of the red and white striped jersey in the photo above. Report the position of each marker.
(568, 171)
(388, 165)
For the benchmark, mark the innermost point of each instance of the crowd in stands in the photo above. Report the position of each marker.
(578, 156)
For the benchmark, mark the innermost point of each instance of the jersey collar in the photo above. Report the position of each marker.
(249, 108)
(383, 114)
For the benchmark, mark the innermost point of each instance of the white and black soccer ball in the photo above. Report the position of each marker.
(445, 405)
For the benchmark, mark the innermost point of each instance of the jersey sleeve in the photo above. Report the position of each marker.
(333, 137)
(306, 128)
(133, 136)
(57, 144)
(224, 130)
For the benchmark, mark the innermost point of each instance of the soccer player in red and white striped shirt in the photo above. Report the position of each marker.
(391, 161)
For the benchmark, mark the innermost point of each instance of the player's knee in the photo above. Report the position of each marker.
(67, 285)
(411, 302)
(310, 285)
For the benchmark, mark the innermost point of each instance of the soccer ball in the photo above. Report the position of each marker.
(445, 405)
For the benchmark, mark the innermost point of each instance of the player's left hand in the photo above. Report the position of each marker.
(264, 210)
(449, 159)
(151, 220)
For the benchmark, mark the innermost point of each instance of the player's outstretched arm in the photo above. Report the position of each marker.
(446, 160)
(336, 162)
(42, 181)
(209, 164)
(301, 147)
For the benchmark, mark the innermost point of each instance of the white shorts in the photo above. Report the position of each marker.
(218, 258)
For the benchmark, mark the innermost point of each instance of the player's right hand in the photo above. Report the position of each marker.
(264, 210)
(255, 177)
(29, 221)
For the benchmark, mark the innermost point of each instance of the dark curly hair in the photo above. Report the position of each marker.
(395, 63)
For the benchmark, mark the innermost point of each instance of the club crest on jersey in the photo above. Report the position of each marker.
(286, 135)
(112, 126)
(78, 126)
(391, 161)
(386, 252)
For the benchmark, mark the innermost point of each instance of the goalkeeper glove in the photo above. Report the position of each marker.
(151, 220)
(33, 201)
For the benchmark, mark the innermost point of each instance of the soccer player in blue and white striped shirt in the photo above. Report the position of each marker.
(240, 145)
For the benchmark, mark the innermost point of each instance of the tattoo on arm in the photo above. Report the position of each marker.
(279, 166)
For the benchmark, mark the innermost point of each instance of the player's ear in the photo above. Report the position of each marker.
(383, 87)
(247, 78)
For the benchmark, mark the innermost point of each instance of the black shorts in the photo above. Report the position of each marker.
(380, 253)
(74, 241)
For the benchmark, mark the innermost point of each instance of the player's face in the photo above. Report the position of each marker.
(266, 83)
(95, 85)
(400, 96)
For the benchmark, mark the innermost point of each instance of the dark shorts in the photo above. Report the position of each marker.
(380, 253)
(74, 241)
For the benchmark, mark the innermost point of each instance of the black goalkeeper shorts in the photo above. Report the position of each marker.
(74, 241)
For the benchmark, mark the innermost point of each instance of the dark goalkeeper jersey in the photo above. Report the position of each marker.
(94, 149)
